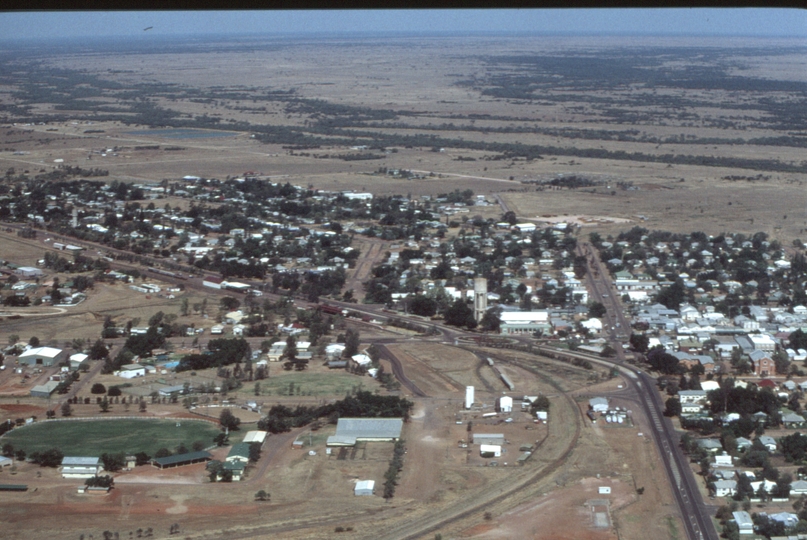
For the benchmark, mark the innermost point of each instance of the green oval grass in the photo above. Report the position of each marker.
(95, 437)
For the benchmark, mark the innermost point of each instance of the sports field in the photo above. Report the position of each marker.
(95, 437)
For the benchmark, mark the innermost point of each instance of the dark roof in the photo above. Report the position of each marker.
(181, 458)
(13, 487)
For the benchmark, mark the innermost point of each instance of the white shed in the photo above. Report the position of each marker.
(505, 404)
(364, 488)
(490, 450)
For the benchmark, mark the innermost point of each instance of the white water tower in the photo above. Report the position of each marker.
(469, 396)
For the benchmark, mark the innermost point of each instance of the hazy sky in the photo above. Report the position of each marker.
(687, 21)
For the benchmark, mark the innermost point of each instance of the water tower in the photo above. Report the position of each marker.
(480, 298)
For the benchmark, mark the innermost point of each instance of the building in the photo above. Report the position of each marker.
(524, 322)
(490, 450)
(364, 488)
(598, 404)
(236, 469)
(480, 298)
(5, 462)
(44, 390)
(80, 467)
(255, 437)
(181, 459)
(212, 282)
(77, 360)
(744, 522)
(239, 452)
(469, 397)
(130, 371)
(764, 365)
(349, 431)
(691, 396)
(28, 271)
(489, 438)
(505, 404)
(42, 356)
(725, 488)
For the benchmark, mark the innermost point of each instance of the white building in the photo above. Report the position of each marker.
(505, 404)
(469, 396)
(130, 371)
(490, 450)
(744, 522)
(80, 467)
(42, 356)
(364, 488)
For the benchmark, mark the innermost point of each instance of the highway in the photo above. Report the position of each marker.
(693, 511)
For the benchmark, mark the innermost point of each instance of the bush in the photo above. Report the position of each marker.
(98, 388)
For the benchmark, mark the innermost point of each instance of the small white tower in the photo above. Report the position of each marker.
(480, 298)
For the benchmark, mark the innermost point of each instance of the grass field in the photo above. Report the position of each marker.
(94, 437)
(313, 384)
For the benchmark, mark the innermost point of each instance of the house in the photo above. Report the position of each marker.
(798, 487)
(235, 468)
(723, 460)
(763, 364)
(792, 420)
(80, 467)
(691, 396)
(725, 488)
(786, 518)
(5, 462)
(744, 522)
(768, 442)
(710, 445)
(743, 443)
(364, 488)
(42, 356)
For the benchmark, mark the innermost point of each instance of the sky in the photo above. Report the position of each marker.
(632, 21)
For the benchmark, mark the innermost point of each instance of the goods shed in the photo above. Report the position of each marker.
(42, 356)
(349, 431)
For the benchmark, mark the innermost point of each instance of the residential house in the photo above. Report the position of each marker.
(725, 488)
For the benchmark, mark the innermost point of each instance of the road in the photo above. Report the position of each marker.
(695, 514)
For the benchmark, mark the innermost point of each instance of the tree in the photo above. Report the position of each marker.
(104, 405)
(663, 362)
(597, 310)
(48, 458)
(34, 341)
(290, 351)
(672, 407)
(352, 342)
(98, 351)
(228, 420)
(639, 342)
(98, 388)
(67, 410)
(142, 406)
(162, 452)
(262, 496)
(113, 462)
(423, 305)
(490, 321)
(228, 303)
(510, 217)
(672, 296)
(459, 314)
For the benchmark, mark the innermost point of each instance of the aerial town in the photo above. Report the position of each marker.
(218, 320)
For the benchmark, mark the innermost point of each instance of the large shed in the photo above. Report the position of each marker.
(255, 437)
(42, 356)
(44, 390)
(181, 459)
(349, 431)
